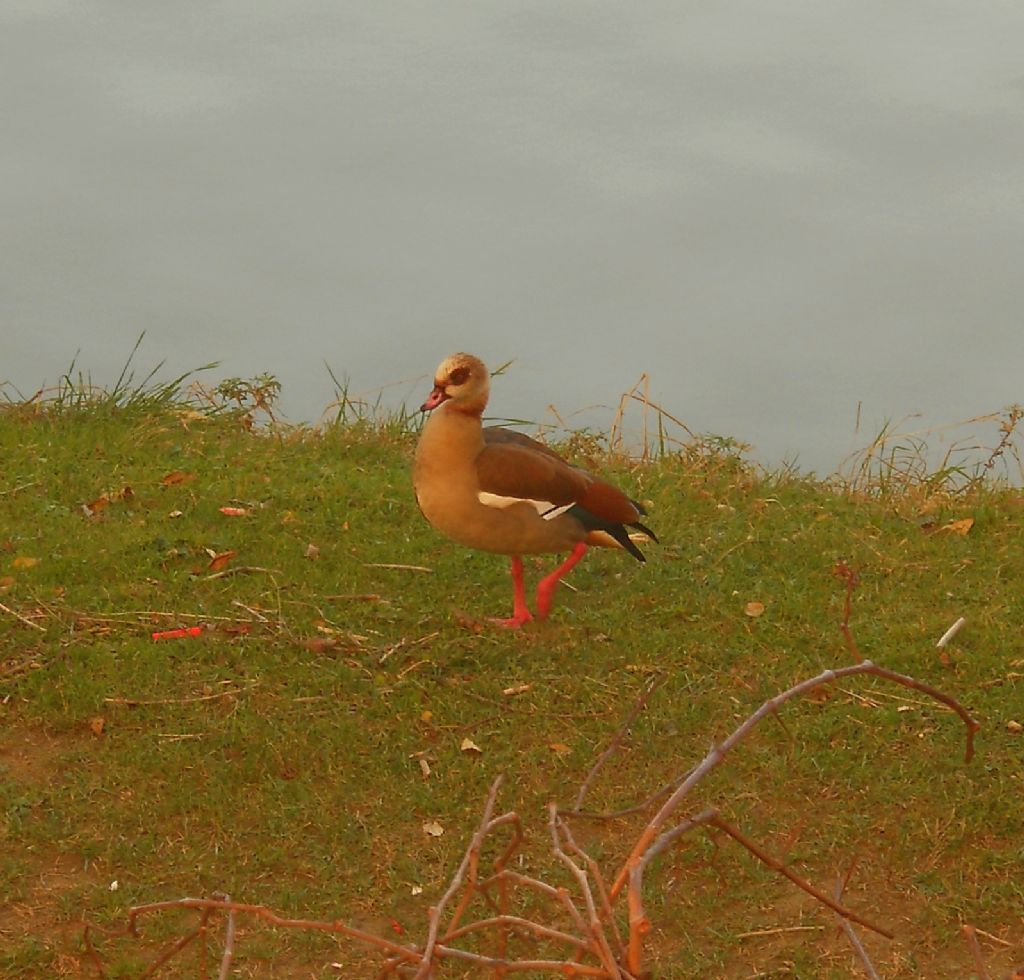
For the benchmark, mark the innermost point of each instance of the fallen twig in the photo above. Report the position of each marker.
(18, 488)
(844, 924)
(250, 610)
(779, 931)
(850, 578)
(469, 864)
(972, 944)
(23, 619)
(395, 565)
(652, 685)
(355, 597)
(115, 616)
(951, 632)
(241, 570)
(139, 702)
(718, 752)
(594, 923)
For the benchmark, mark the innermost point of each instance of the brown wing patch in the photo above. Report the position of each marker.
(518, 471)
(496, 435)
(513, 461)
(609, 503)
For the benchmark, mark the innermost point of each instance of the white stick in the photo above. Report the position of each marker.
(951, 632)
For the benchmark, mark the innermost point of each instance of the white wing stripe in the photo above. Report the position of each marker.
(553, 512)
(545, 508)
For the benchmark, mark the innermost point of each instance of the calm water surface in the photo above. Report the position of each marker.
(778, 210)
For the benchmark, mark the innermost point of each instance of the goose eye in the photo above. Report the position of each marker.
(458, 376)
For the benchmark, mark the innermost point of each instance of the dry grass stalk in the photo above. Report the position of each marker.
(652, 416)
(896, 462)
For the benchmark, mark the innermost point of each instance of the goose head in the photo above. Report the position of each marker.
(461, 379)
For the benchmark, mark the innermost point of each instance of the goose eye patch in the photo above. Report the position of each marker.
(458, 376)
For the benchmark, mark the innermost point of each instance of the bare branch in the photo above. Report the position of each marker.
(975, 948)
(652, 685)
(470, 859)
(782, 869)
(594, 944)
(718, 752)
(229, 945)
(850, 577)
(596, 930)
(844, 924)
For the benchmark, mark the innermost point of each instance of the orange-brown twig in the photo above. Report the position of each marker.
(972, 943)
(851, 578)
(468, 866)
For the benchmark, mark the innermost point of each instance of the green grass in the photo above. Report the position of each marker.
(281, 764)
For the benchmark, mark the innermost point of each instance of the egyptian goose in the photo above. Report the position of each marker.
(497, 490)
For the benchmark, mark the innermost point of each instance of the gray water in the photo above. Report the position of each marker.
(781, 211)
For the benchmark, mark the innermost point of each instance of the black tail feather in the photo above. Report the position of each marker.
(646, 530)
(619, 532)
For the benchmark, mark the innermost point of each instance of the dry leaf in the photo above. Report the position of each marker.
(234, 511)
(6, 581)
(23, 561)
(93, 508)
(433, 829)
(424, 767)
(960, 527)
(175, 513)
(559, 748)
(820, 695)
(1014, 726)
(220, 561)
(467, 622)
(416, 890)
(754, 609)
(468, 745)
(178, 476)
(320, 644)
(97, 725)
(312, 551)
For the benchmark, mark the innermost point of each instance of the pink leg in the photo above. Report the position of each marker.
(547, 586)
(520, 611)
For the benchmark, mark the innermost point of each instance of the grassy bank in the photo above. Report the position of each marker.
(278, 756)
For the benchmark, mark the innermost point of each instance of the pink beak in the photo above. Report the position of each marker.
(436, 397)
